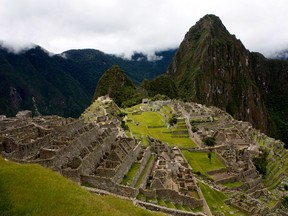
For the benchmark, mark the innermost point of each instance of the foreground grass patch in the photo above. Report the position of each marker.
(33, 190)
(200, 163)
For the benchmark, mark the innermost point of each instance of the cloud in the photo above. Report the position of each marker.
(122, 27)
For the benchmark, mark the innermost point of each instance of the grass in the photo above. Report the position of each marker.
(29, 189)
(156, 119)
(170, 205)
(215, 200)
(131, 173)
(200, 163)
(233, 184)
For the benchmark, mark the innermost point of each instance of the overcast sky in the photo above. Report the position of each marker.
(124, 26)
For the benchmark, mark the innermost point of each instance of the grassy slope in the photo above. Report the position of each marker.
(199, 161)
(155, 119)
(34, 190)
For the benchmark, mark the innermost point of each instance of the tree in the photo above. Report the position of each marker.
(209, 156)
(261, 162)
(194, 128)
(209, 141)
(172, 120)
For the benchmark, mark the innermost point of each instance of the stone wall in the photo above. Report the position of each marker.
(91, 160)
(143, 163)
(108, 185)
(172, 196)
(85, 140)
(144, 183)
(169, 211)
(24, 150)
(125, 166)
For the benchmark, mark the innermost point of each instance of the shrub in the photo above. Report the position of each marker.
(172, 120)
(194, 128)
(209, 141)
(261, 162)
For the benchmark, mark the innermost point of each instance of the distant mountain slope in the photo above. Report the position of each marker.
(212, 67)
(117, 85)
(34, 79)
(94, 63)
(63, 84)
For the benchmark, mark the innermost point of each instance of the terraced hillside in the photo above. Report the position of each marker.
(154, 154)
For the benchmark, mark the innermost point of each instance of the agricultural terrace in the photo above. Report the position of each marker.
(155, 124)
(200, 162)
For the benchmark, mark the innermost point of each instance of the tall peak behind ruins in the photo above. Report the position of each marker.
(212, 67)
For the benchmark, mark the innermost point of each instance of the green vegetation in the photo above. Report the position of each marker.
(200, 162)
(172, 121)
(153, 124)
(261, 162)
(131, 173)
(33, 190)
(116, 84)
(276, 169)
(233, 184)
(162, 85)
(215, 200)
(209, 141)
(194, 128)
(285, 203)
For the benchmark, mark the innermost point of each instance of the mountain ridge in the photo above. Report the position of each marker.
(62, 84)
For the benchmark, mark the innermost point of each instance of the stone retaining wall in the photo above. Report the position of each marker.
(143, 163)
(108, 185)
(169, 211)
(172, 196)
(127, 163)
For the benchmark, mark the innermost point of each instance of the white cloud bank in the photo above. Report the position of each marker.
(123, 26)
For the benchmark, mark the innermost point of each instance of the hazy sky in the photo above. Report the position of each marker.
(124, 26)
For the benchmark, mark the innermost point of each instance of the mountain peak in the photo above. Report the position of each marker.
(209, 26)
(212, 67)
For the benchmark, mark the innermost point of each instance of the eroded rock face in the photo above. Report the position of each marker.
(212, 67)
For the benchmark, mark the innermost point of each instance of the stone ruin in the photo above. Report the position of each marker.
(170, 177)
(93, 151)
(235, 147)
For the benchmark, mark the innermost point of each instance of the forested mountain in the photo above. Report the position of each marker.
(64, 84)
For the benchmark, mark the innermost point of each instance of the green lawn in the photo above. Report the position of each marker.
(215, 200)
(131, 173)
(200, 163)
(34, 190)
(156, 119)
